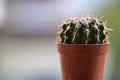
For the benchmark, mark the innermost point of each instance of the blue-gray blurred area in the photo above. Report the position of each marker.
(28, 33)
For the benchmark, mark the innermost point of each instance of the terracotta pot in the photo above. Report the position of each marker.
(81, 61)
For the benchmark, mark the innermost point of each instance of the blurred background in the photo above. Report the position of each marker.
(28, 33)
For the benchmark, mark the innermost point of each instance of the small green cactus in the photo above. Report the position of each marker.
(84, 30)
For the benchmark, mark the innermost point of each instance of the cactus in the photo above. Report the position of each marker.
(84, 30)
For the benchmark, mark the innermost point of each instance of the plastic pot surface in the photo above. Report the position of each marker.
(82, 61)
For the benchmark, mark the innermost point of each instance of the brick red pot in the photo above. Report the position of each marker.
(81, 61)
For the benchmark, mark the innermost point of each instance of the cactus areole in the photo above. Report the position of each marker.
(83, 30)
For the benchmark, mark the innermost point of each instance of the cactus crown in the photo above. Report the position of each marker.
(84, 30)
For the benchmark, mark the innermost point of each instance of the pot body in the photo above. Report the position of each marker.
(82, 62)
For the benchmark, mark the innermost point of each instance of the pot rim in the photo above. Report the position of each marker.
(81, 44)
(82, 49)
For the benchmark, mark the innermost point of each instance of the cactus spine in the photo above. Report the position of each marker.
(84, 30)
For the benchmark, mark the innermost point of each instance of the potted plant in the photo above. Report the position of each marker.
(82, 45)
